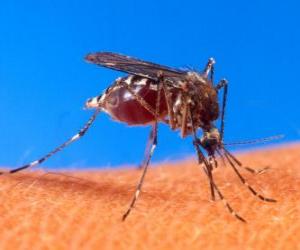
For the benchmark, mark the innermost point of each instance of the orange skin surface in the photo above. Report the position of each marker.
(83, 210)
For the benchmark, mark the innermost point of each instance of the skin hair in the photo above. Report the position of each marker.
(83, 209)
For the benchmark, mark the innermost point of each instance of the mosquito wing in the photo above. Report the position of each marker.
(133, 65)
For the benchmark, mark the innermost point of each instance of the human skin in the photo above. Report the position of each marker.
(83, 210)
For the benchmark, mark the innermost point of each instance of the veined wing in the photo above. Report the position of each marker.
(132, 65)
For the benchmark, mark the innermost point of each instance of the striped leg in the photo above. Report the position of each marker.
(251, 170)
(242, 179)
(59, 148)
(171, 123)
(148, 155)
(208, 167)
(227, 205)
(224, 84)
(153, 142)
(201, 158)
(215, 187)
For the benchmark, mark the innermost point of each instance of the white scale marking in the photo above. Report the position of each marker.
(102, 97)
(152, 149)
(153, 87)
(137, 194)
(127, 96)
(142, 82)
(34, 163)
(75, 137)
(110, 64)
(128, 80)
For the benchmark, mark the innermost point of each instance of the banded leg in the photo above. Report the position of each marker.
(251, 170)
(261, 140)
(227, 205)
(242, 179)
(201, 158)
(208, 167)
(170, 121)
(215, 187)
(59, 148)
(153, 143)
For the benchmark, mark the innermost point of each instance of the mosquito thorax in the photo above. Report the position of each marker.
(197, 78)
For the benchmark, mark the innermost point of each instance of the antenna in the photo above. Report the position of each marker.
(255, 141)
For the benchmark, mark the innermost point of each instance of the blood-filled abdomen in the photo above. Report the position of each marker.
(136, 107)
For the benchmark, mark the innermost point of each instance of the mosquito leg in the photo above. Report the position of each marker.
(208, 168)
(145, 105)
(251, 170)
(227, 205)
(184, 119)
(242, 179)
(213, 161)
(222, 157)
(223, 84)
(153, 143)
(211, 183)
(59, 148)
(201, 158)
(215, 187)
(168, 97)
(148, 149)
(138, 98)
(153, 138)
(209, 68)
(255, 171)
(170, 122)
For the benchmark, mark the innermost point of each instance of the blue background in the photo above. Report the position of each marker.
(44, 81)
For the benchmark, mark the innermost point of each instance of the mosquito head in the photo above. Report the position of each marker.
(211, 140)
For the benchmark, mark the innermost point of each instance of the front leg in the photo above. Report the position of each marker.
(209, 68)
(222, 84)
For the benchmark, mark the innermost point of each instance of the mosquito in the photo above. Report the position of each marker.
(186, 100)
